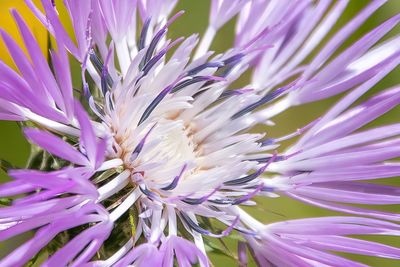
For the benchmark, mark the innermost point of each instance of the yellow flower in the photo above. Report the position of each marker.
(7, 23)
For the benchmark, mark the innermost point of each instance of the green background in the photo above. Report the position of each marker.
(15, 149)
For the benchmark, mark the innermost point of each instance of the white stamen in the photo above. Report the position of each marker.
(198, 240)
(128, 202)
(114, 185)
(205, 42)
(93, 73)
(124, 58)
(56, 126)
(110, 164)
(155, 226)
(246, 218)
(172, 226)
(117, 255)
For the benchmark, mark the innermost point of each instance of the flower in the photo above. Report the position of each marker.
(158, 154)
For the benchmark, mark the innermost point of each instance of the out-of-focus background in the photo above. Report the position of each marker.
(15, 149)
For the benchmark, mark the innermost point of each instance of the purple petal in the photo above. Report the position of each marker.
(42, 237)
(186, 252)
(41, 67)
(145, 254)
(88, 137)
(352, 192)
(85, 245)
(56, 146)
(351, 245)
(347, 209)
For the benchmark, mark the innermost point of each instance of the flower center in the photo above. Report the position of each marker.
(159, 152)
(169, 143)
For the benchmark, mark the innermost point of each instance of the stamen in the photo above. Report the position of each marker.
(194, 80)
(98, 64)
(106, 80)
(267, 98)
(268, 142)
(203, 231)
(246, 231)
(198, 201)
(125, 205)
(266, 159)
(248, 196)
(240, 200)
(151, 195)
(157, 38)
(229, 93)
(234, 59)
(101, 68)
(114, 185)
(206, 65)
(139, 147)
(143, 34)
(119, 254)
(252, 176)
(230, 64)
(150, 64)
(86, 91)
(155, 102)
(174, 182)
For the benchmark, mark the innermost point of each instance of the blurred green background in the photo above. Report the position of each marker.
(15, 149)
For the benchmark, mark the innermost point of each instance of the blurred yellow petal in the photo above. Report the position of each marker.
(7, 23)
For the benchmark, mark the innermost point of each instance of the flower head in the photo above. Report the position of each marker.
(164, 154)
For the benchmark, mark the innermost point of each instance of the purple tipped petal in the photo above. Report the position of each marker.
(56, 146)
(88, 241)
(348, 209)
(41, 68)
(186, 253)
(145, 254)
(108, 181)
(43, 236)
(88, 137)
(117, 16)
(310, 239)
(175, 181)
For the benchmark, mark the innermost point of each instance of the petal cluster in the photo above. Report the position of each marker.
(158, 151)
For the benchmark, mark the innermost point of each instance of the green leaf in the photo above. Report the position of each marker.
(214, 248)
(236, 237)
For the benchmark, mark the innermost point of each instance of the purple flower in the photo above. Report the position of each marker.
(307, 242)
(56, 201)
(158, 153)
(149, 254)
